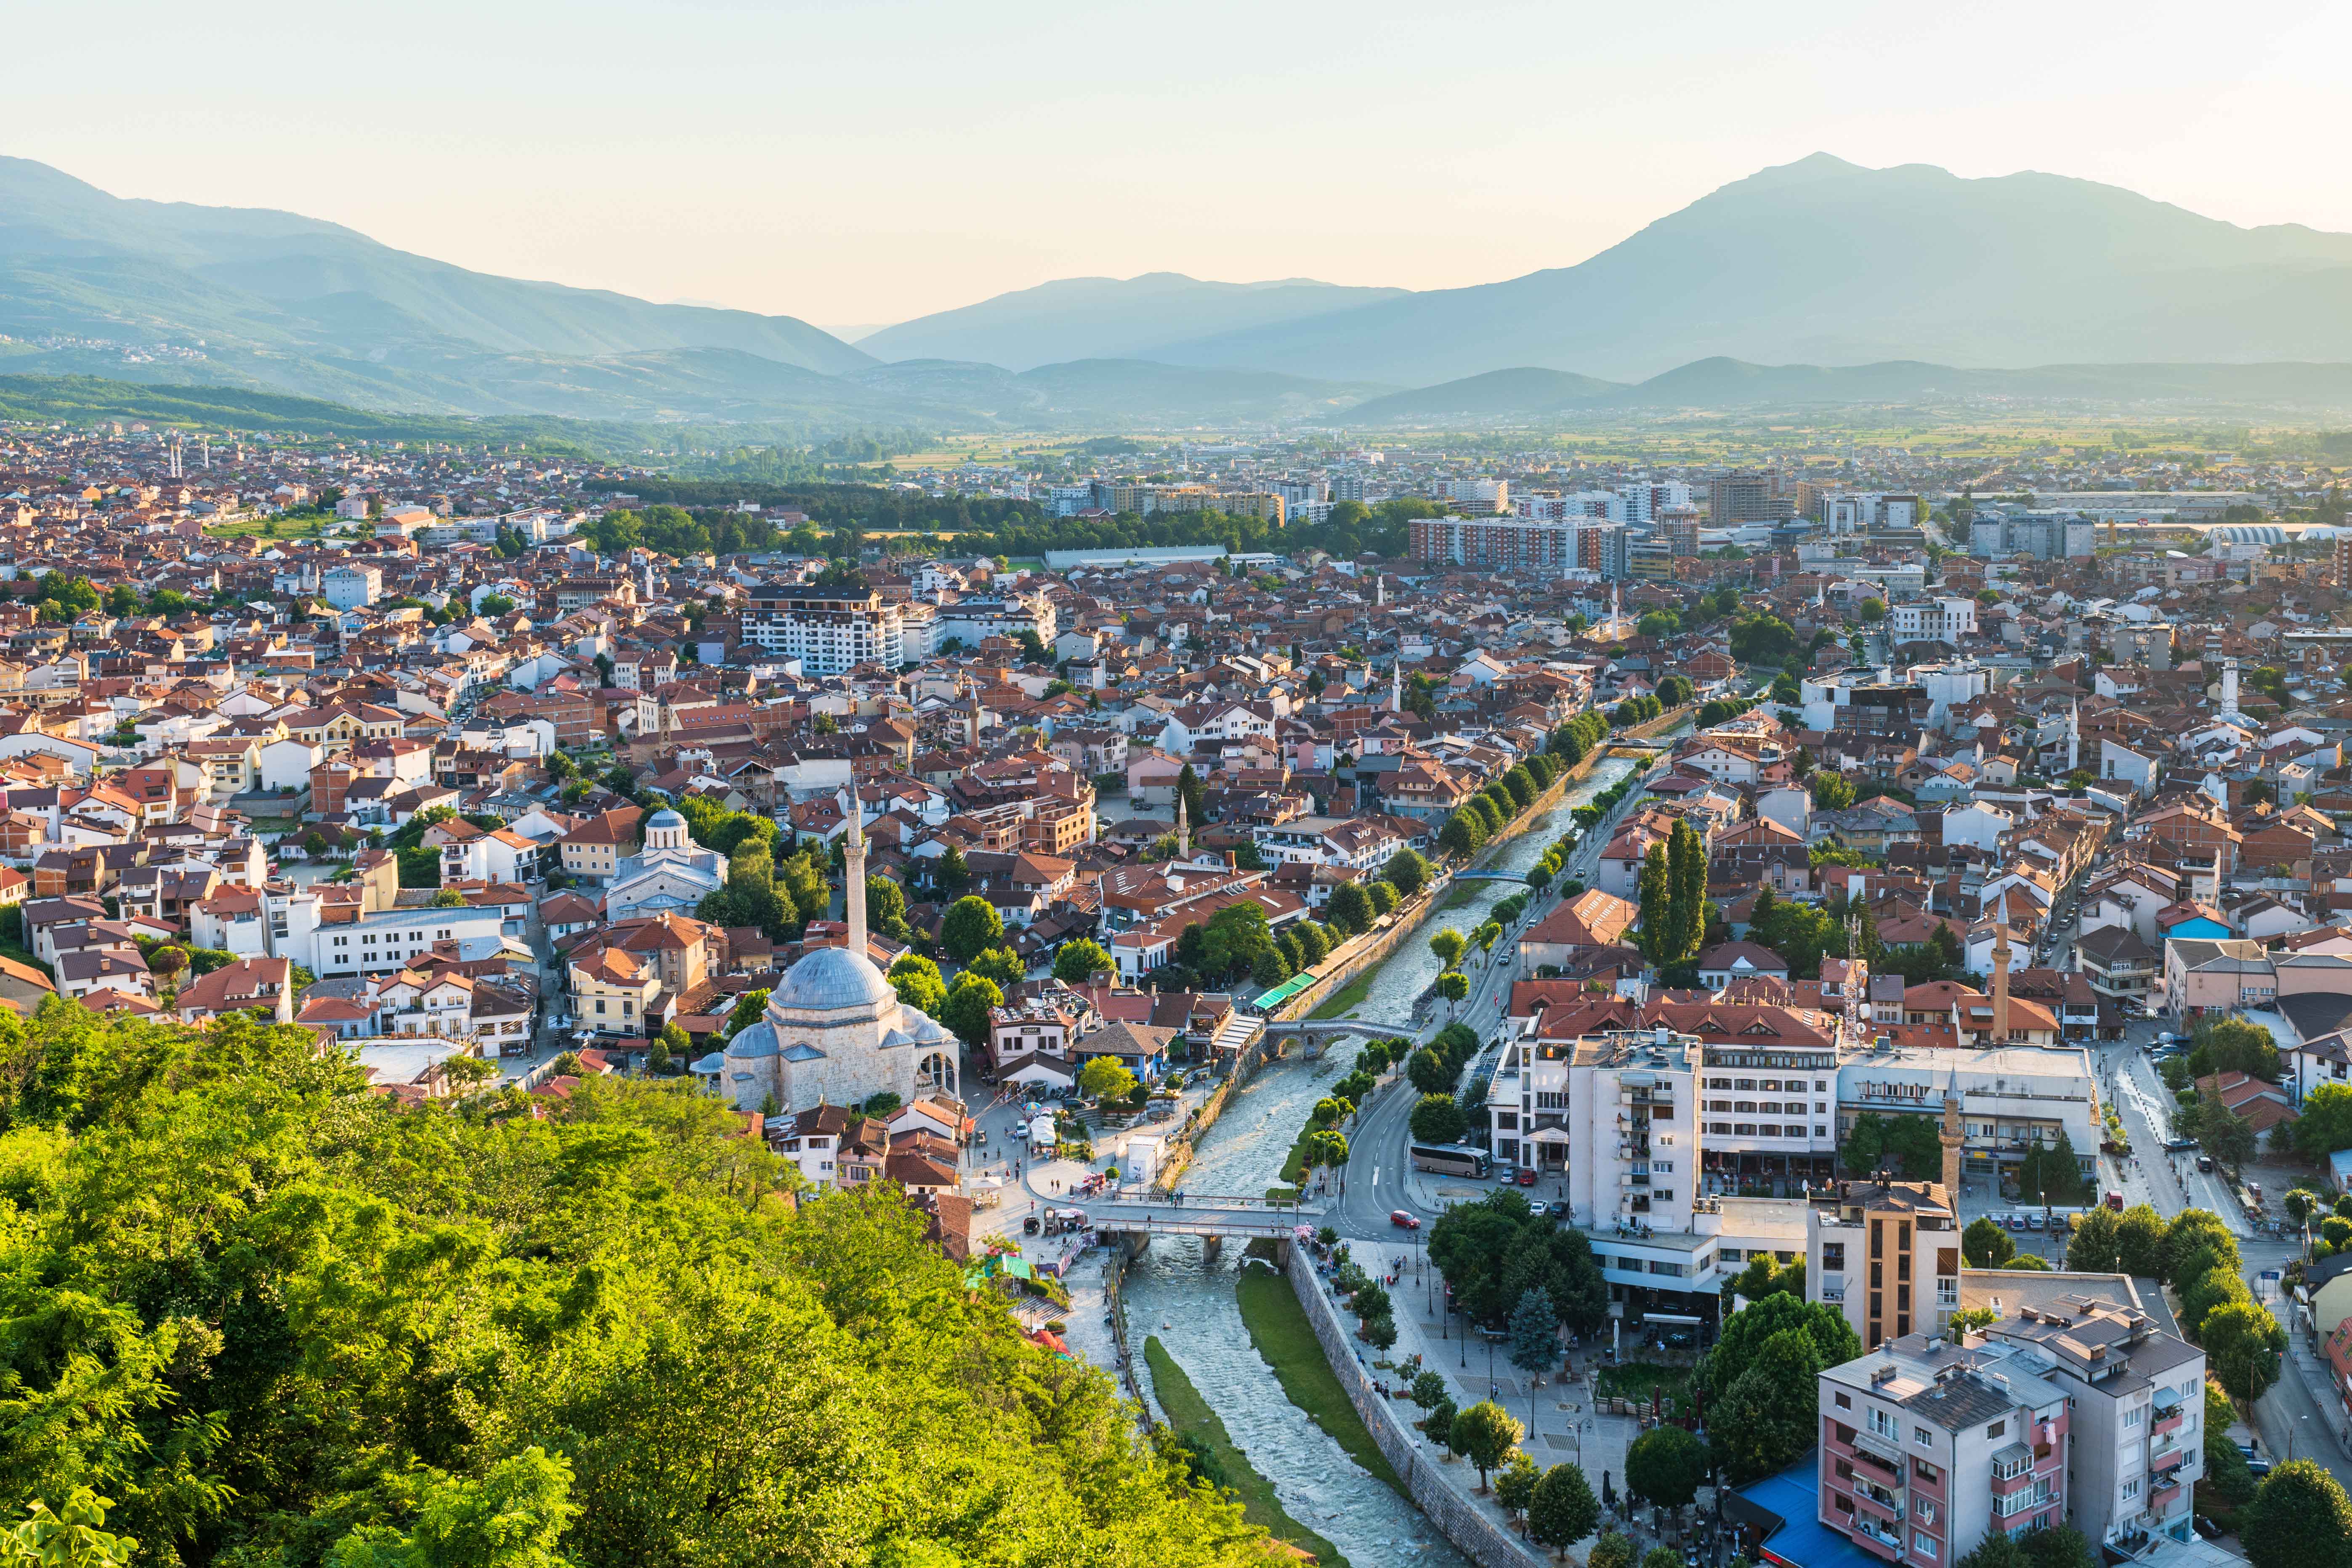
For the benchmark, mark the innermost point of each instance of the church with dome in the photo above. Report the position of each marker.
(834, 1032)
(670, 876)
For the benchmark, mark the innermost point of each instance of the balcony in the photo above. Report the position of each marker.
(2163, 1495)
(2168, 1418)
(1880, 1503)
(2166, 1463)
(1873, 1537)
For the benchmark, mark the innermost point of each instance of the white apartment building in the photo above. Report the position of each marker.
(1548, 506)
(1365, 844)
(1492, 497)
(379, 942)
(829, 633)
(1616, 1114)
(1938, 619)
(1643, 498)
(1926, 1447)
(1768, 1113)
(2012, 1097)
(351, 587)
(2136, 1396)
(971, 621)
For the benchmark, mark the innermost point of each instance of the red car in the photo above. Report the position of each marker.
(1403, 1221)
(1525, 1178)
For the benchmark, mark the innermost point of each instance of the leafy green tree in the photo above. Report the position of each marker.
(917, 981)
(1612, 1550)
(1105, 1078)
(1351, 909)
(885, 908)
(1001, 964)
(1515, 1482)
(1448, 944)
(966, 1010)
(970, 928)
(1384, 897)
(1745, 1333)
(1832, 791)
(1768, 1414)
(2325, 1124)
(1454, 985)
(1080, 961)
(2243, 1344)
(1482, 1435)
(1492, 1250)
(70, 1538)
(1667, 1465)
(2300, 1518)
(1904, 1140)
(1405, 871)
(950, 875)
(1535, 1334)
(1562, 1511)
(1465, 832)
(2193, 1231)
(1438, 1119)
(1430, 1072)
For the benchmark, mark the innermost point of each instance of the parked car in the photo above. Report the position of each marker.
(2205, 1161)
(1405, 1221)
(2033, 1221)
(2258, 1467)
(2014, 1222)
(2179, 1145)
(1539, 1208)
(2206, 1528)
(1527, 1178)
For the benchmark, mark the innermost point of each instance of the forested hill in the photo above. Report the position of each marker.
(279, 1322)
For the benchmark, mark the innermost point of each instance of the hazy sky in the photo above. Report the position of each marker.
(873, 161)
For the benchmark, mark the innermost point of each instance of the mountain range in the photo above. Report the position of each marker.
(1818, 281)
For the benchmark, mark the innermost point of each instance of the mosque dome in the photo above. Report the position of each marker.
(831, 979)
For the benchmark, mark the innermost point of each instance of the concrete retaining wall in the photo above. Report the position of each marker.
(1477, 1535)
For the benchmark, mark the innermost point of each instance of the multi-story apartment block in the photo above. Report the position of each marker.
(1490, 497)
(2137, 1400)
(970, 621)
(1677, 529)
(1515, 544)
(1887, 1255)
(828, 632)
(1768, 1112)
(1926, 1447)
(1935, 620)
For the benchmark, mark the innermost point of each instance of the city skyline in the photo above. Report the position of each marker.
(870, 167)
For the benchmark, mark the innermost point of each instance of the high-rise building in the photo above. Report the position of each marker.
(2342, 558)
(1747, 496)
(828, 632)
(1678, 527)
(1643, 498)
(1491, 497)
(1513, 544)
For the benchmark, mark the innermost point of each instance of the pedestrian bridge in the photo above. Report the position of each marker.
(1249, 1218)
(1490, 876)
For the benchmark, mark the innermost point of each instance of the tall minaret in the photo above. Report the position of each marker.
(1396, 687)
(2229, 687)
(2000, 985)
(2073, 735)
(1184, 830)
(853, 871)
(1949, 1136)
(971, 719)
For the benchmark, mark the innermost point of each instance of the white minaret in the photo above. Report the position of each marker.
(2073, 735)
(1396, 687)
(2229, 686)
(1184, 830)
(853, 871)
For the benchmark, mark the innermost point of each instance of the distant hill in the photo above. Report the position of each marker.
(1498, 394)
(1826, 263)
(1107, 318)
(290, 303)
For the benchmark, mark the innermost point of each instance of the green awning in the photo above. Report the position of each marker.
(1285, 991)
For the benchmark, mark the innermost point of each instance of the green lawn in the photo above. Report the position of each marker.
(1640, 1378)
(1347, 996)
(1278, 1327)
(1460, 898)
(1189, 1415)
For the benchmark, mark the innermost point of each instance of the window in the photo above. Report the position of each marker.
(2135, 1416)
(1842, 1402)
(1921, 1471)
(1923, 1545)
(1921, 1436)
(1884, 1425)
(1996, 1429)
(2131, 1490)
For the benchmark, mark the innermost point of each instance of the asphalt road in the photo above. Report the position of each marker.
(2287, 1419)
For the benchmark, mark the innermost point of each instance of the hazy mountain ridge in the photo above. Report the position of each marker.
(1072, 318)
(1822, 261)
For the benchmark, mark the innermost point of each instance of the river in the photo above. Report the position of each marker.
(1173, 1292)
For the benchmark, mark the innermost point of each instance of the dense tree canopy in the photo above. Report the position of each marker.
(1493, 1251)
(274, 1317)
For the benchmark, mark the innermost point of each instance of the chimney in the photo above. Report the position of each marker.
(2001, 984)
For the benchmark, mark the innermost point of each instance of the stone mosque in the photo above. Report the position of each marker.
(834, 1032)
